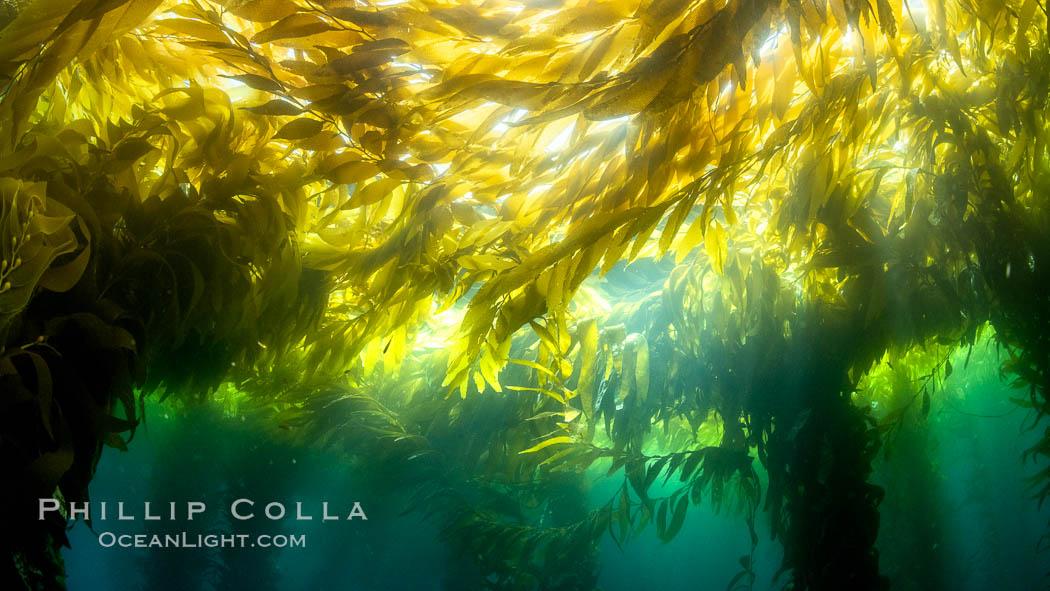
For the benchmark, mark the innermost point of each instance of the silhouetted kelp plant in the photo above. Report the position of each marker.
(386, 229)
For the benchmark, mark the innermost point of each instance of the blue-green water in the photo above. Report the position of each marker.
(956, 515)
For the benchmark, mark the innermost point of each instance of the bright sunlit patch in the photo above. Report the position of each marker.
(773, 41)
(902, 142)
(917, 10)
(504, 125)
(850, 36)
(612, 123)
(441, 326)
(536, 191)
(561, 141)
(406, 65)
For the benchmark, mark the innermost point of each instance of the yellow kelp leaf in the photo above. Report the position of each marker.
(587, 335)
(626, 367)
(601, 52)
(490, 367)
(31, 28)
(642, 83)
(547, 443)
(394, 350)
(546, 392)
(485, 262)
(674, 224)
(276, 107)
(194, 28)
(263, 11)
(533, 365)
(693, 236)
(588, 16)
(1024, 19)
(64, 277)
(35, 232)
(556, 295)
(545, 415)
(293, 25)
(373, 18)
(362, 60)
(886, 19)
(352, 172)
(373, 351)
(715, 243)
(299, 129)
(507, 92)
(640, 347)
(785, 75)
(373, 192)
(545, 335)
(325, 141)
(21, 98)
(257, 82)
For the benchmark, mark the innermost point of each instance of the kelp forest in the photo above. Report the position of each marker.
(557, 289)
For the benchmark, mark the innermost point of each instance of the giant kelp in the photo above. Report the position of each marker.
(296, 207)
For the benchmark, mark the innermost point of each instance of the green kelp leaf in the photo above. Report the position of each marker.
(639, 348)
(690, 464)
(653, 471)
(677, 519)
(624, 513)
(635, 473)
(49, 467)
(114, 440)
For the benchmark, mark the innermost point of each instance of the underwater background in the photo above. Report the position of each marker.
(564, 295)
(957, 515)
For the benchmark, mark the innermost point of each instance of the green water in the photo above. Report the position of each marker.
(956, 513)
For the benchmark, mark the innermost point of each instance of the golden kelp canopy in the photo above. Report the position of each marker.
(292, 194)
(424, 148)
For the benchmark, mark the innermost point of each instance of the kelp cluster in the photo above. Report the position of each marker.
(156, 286)
(388, 223)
